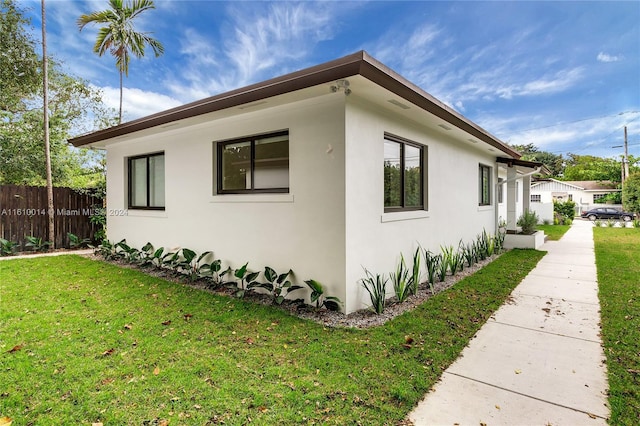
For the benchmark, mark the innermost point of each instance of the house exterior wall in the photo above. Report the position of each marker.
(547, 190)
(303, 230)
(374, 239)
(332, 222)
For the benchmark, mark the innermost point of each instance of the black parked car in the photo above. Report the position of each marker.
(607, 213)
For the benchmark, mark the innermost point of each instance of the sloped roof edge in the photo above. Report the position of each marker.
(357, 63)
(524, 163)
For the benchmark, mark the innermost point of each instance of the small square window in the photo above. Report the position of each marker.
(146, 182)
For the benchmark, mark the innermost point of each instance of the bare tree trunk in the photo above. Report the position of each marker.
(47, 148)
(120, 116)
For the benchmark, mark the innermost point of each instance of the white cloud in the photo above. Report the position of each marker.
(137, 103)
(502, 69)
(260, 40)
(605, 57)
(561, 81)
(285, 31)
(598, 134)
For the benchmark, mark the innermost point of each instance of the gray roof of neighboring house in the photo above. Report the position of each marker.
(360, 63)
(594, 185)
(585, 185)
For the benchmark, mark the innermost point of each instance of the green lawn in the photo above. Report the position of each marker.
(82, 341)
(554, 232)
(618, 262)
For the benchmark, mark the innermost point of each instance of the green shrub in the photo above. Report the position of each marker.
(7, 248)
(565, 209)
(77, 242)
(37, 244)
(528, 221)
(611, 198)
(332, 303)
(277, 284)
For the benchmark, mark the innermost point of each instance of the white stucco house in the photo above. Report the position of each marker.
(326, 170)
(583, 193)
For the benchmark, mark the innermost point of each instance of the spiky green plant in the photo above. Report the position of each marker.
(376, 286)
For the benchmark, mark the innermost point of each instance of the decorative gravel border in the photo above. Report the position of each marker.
(362, 319)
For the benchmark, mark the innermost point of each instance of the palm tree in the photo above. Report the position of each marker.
(119, 37)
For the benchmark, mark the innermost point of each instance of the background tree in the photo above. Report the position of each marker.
(119, 36)
(588, 167)
(554, 162)
(631, 193)
(19, 61)
(74, 108)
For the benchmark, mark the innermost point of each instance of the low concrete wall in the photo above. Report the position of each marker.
(543, 210)
(533, 241)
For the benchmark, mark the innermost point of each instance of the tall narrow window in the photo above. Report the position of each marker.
(254, 164)
(500, 190)
(484, 185)
(403, 174)
(146, 182)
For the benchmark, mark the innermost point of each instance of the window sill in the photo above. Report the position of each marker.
(138, 213)
(408, 215)
(253, 198)
(485, 208)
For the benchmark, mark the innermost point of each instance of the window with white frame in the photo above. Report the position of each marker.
(536, 198)
(146, 181)
(254, 164)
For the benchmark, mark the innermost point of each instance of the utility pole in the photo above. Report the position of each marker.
(626, 156)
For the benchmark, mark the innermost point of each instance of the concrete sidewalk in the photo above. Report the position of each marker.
(80, 252)
(539, 359)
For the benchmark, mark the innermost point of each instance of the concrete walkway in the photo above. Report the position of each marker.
(539, 359)
(81, 252)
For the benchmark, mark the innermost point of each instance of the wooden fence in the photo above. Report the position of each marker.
(23, 213)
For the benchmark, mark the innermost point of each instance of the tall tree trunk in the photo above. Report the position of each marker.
(47, 148)
(120, 115)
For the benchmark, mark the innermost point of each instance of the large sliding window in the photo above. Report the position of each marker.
(403, 174)
(254, 164)
(146, 181)
(484, 196)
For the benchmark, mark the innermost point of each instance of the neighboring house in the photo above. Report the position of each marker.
(328, 170)
(583, 193)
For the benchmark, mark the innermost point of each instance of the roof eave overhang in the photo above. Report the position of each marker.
(511, 162)
(359, 63)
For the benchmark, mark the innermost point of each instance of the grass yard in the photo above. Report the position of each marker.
(618, 262)
(83, 341)
(554, 232)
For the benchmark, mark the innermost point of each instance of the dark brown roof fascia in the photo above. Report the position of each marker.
(394, 82)
(358, 63)
(319, 74)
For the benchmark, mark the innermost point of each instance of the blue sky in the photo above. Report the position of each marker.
(564, 76)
